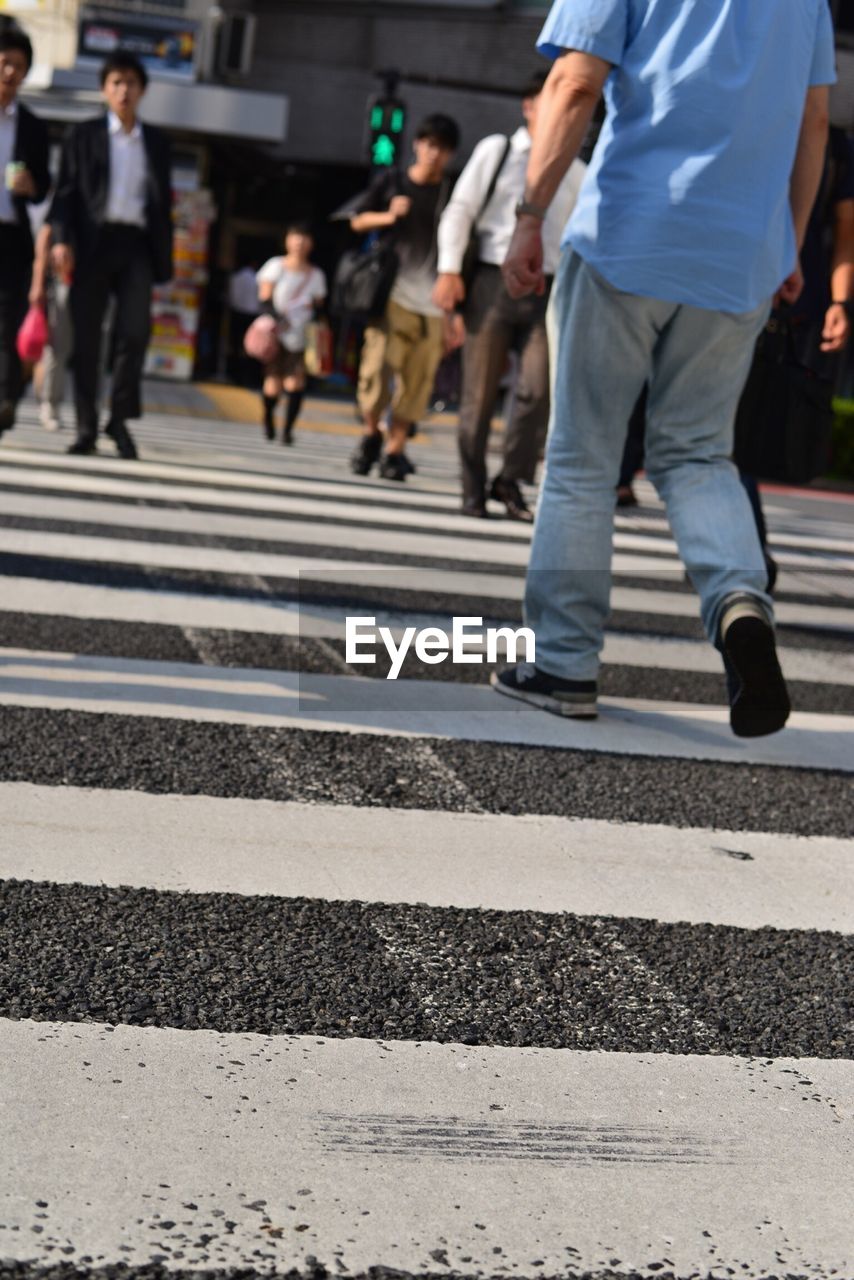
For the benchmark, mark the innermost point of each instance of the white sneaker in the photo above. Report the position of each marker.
(49, 417)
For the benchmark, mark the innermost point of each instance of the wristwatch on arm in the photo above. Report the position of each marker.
(526, 208)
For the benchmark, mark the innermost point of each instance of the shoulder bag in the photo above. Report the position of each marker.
(471, 257)
(364, 278)
(784, 424)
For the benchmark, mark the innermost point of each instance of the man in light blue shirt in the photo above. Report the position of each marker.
(690, 220)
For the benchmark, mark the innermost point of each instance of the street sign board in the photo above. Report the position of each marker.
(165, 46)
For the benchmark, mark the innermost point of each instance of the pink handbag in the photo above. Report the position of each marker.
(262, 339)
(33, 336)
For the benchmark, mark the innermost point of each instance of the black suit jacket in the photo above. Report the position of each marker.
(31, 147)
(80, 202)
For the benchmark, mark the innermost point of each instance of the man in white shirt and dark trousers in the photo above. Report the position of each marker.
(24, 180)
(112, 230)
(496, 323)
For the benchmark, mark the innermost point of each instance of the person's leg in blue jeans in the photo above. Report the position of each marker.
(608, 344)
(700, 365)
(604, 343)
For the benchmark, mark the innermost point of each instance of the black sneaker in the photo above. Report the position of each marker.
(509, 493)
(574, 698)
(758, 697)
(366, 454)
(395, 466)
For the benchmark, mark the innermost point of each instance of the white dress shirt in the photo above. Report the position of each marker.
(8, 138)
(128, 174)
(495, 226)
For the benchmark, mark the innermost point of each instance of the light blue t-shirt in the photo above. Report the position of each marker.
(687, 195)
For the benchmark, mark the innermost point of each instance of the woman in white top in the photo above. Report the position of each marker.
(292, 290)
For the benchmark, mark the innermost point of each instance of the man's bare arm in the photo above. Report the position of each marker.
(564, 112)
(364, 222)
(809, 158)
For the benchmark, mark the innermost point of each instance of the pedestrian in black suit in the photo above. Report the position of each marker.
(24, 179)
(112, 228)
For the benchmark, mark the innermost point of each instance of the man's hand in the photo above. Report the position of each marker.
(399, 207)
(791, 288)
(449, 291)
(523, 266)
(23, 184)
(62, 261)
(836, 329)
(453, 333)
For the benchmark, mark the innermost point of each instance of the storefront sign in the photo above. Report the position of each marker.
(176, 309)
(165, 46)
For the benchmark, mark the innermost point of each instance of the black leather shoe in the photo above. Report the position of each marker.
(7, 415)
(121, 437)
(508, 492)
(82, 446)
(476, 510)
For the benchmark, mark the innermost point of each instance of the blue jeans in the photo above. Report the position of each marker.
(607, 345)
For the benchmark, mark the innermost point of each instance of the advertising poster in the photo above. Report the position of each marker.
(176, 308)
(165, 46)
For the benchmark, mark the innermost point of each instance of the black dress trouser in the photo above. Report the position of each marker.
(15, 272)
(120, 268)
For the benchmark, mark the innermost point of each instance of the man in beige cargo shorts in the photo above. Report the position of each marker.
(401, 353)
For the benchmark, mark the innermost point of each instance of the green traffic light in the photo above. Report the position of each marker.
(376, 117)
(384, 151)
(397, 119)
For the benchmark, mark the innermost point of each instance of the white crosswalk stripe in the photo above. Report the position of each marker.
(306, 967)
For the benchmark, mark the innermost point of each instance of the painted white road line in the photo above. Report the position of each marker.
(286, 528)
(165, 608)
(632, 533)
(209, 524)
(293, 503)
(249, 1151)
(194, 470)
(201, 844)
(413, 709)
(106, 550)
(124, 604)
(362, 574)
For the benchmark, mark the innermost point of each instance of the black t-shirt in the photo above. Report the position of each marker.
(415, 235)
(837, 184)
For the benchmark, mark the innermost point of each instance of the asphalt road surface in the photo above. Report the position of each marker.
(307, 971)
